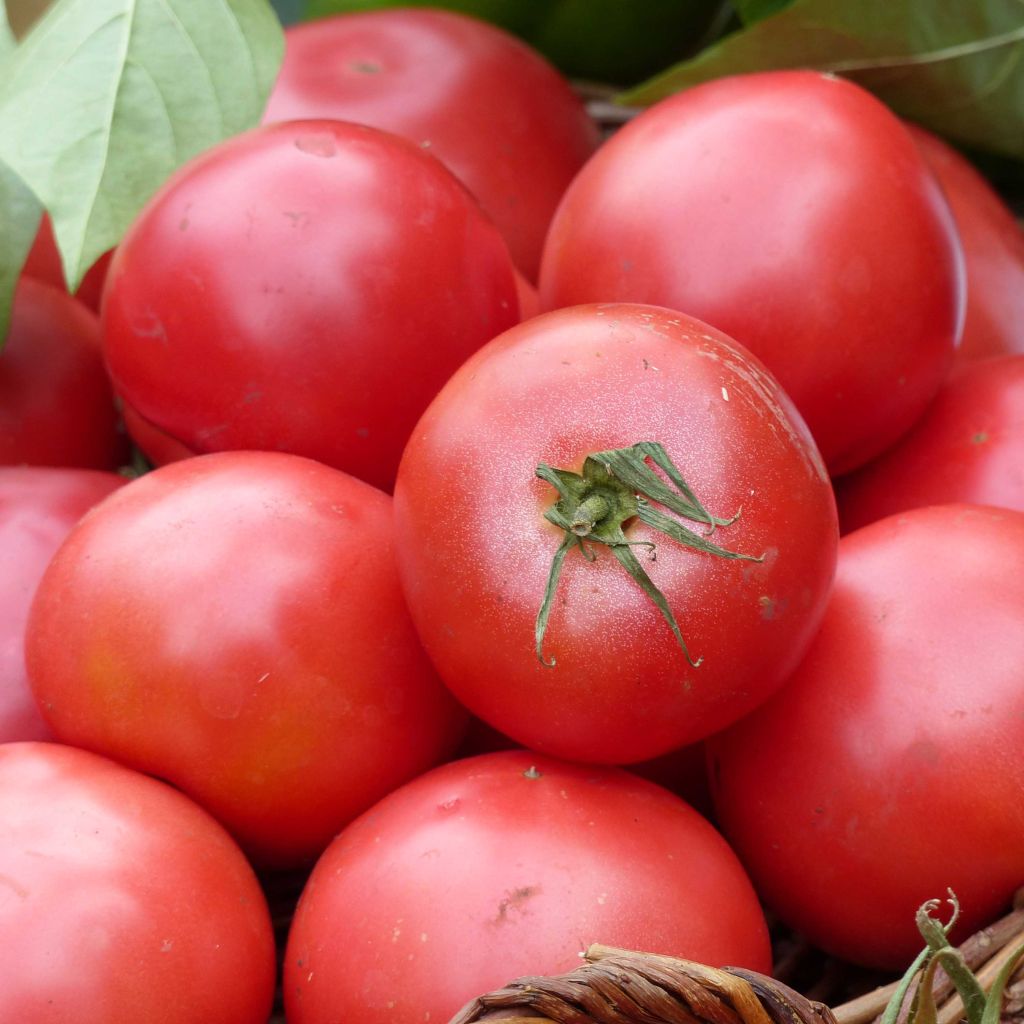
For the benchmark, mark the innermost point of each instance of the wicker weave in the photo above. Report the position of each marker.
(618, 986)
(615, 986)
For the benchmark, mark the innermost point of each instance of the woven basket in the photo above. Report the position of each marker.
(614, 986)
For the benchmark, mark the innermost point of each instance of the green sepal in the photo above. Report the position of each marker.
(979, 1007)
(594, 505)
(952, 962)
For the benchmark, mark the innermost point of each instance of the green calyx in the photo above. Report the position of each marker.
(594, 507)
(979, 1006)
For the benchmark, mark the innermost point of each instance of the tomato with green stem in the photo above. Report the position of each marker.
(614, 532)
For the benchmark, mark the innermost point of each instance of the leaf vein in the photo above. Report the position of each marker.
(948, 53)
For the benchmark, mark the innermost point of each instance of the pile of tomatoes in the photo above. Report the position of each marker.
(490, 573)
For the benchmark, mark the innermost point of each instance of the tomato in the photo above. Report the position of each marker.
(38, 506)
(43, 263)
(475, 550)
(968, 447)
(56, 403)
(891, 766)
(158, 447)
(792, 211)
(993, 245)
(304, 287)
(234, 624)
(599, 40)
(504, 865)
(529, 300)
(492, 109)
(682, 771)
(122, 900)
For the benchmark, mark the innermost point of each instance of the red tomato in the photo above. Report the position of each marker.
(38, 506)
(791, 210)
(487, 105)
(304, 287)
(475, 549)
(234, 624)
(505, 865)
(968, 447)
(158, 447)
(891, 766)
(122, 900)
(682, 771)
(529, 299)
(56, 403)
(43, 263)
(993, 245)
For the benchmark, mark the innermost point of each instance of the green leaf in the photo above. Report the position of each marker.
(957, 68)
(103, 99)
(7, 40)
(754, 10)
(19, 214)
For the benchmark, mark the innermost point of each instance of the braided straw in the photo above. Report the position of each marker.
(616, 986)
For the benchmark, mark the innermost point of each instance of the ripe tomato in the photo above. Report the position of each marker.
(504, 865)
(487, 105)
(304, 287)
(158, 447)
(43, 263)
(475, 549)
(56, 403)
(968, 447)
(891, 766)
(38, 506)
(993, 245)
(682, 771)
(792, 211)
(122, 900)
(234, 624)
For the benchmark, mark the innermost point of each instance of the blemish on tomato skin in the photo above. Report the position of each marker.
(320, 144)
(9, 883)
(514, 901)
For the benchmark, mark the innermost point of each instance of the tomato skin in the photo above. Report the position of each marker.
(233, 623)
(158, 447)
(993, 245)
(483, 870)
(44, 264)
(967, 447)
(304, 287)
(487, 105)
(56, 403)
(123, 901)
(792, 211)
(890, 767)
(38, 507)
(474, 550)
